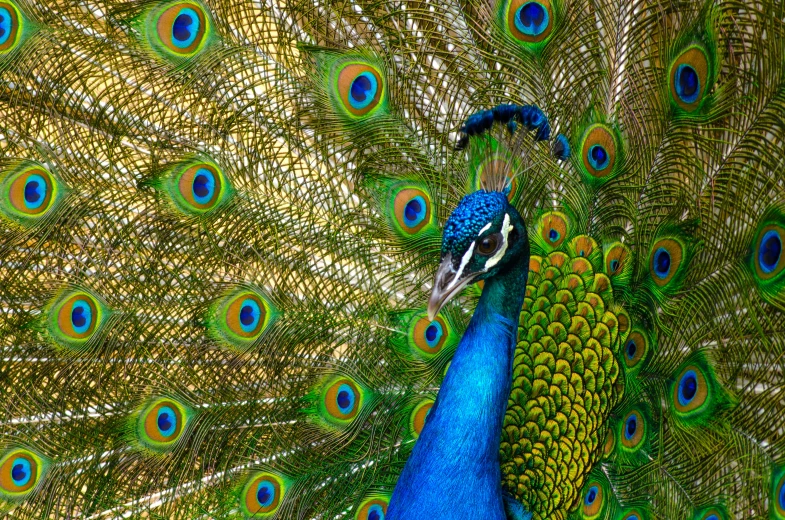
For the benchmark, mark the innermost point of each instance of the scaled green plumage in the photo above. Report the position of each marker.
(217, 216)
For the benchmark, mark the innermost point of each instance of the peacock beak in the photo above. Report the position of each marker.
(447, 283)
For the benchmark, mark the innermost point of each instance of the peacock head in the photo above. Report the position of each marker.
(484, 236)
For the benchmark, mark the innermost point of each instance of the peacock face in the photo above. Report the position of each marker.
(482, 236)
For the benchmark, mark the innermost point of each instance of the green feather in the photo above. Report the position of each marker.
(21, 472)
(311, 118)
(161, 424)
(195, 187)
(30, 193)
(176, 31)
(240, 318)
(76, 320)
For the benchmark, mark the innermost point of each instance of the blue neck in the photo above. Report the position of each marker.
(453, 471)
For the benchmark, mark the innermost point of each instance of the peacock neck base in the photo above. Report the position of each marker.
(453, 471)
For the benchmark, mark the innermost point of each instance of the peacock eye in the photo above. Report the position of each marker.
(11, 25)
(488, 245)
(162, 424)
(263, 495)
(182, 29)
(20, 472)
(360, 88)
(373, 508)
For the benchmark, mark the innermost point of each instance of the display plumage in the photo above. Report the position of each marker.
(220, 223)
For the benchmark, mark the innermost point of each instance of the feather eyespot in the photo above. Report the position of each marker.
(161, 424)
(610, 443)
(616, 259)
(592, 500)
(263, 494)
(418, 417)
(635, 349)
(530, 21)
(430, 336)
(11, 27)
(75, 318)
(633, 430)
(246, 315)
(778, 492)
(770, 251)
(598, 151)
(20, 472)
(240, 318)
(201, 187)
(665, 260)
(182, 29)
(712, 514)
(411, 208)
(632, 515)
(374, 508)
(360, 88)
(342, 400)
(689, 76)
(553, 229)
(30, 193)
(767, 257)
(690, 391)
(584, 246)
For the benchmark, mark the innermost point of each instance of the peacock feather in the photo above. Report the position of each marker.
(507, 259)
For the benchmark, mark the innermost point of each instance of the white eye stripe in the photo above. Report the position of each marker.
(483, 230)
(506, 228)
(465, 260)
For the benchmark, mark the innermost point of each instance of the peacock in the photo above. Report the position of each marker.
(397, 259)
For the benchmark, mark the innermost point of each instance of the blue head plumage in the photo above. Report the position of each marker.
(479, 238)
(473, 213)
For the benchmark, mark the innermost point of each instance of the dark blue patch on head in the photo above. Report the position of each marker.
(473, 213)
